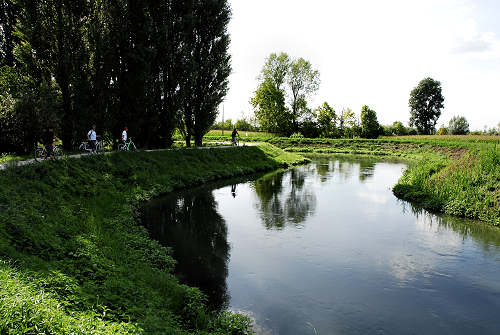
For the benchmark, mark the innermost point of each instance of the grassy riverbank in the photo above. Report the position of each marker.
(74, 261)
(468, 186)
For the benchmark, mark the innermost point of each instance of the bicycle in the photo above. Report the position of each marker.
(127, 146)
(41, 152)
(235, 141)
(85, 146)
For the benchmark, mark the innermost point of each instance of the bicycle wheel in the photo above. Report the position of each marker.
(121, 147)
(132, 146)
(58, 152)
(40, 154)
(98, 146)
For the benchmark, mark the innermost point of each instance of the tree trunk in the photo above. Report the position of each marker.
(63, 81)
(67, 120)
(198, 140)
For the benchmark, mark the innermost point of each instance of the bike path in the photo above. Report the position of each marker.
(33, 161)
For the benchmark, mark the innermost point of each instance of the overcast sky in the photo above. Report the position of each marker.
(374, 53)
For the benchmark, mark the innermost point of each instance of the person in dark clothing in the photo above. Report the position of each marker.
(48, 141)
(233, 136)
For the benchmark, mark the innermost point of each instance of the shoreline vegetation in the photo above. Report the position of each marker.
(455, 175)
(73, 259)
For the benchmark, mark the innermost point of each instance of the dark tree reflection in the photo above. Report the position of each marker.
(284, 199)
(191, 225)
(323, 168)
(366, 169)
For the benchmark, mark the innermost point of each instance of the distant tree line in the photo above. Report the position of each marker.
(280, 106)
(153, 65)
(244, 124)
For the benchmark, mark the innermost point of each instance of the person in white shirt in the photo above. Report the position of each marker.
(92, 136)
(124, 134)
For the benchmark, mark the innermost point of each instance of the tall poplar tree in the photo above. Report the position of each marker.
(8, 18)
(210, 63)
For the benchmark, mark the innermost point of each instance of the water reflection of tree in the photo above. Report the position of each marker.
(366, 169)
(191, 225)
(284, 199)
(323, 168)
(486, 235)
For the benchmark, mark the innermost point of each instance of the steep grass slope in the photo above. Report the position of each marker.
(73, 260)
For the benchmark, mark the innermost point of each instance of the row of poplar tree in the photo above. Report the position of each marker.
(152, 65)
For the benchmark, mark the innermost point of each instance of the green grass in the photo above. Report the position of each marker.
(73, 260)
(6, 158)
(469, 141)
(468, 186)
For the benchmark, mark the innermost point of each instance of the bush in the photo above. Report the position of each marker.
(442, 131)
(296, 135)
(310, 129)
(399, 129)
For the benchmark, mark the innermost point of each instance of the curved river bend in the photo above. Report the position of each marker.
(327, 249)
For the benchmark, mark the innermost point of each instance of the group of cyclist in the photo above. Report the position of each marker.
(49, 137)
(92, 137)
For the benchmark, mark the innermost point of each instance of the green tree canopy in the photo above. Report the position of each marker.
(399, 129)
(458, 126)
(270, 110)
(151, 65)
(370, 127)
(302, 81)
(327, 119)
(349, 124)
(275, 69)
(426, 102)
(282, 79)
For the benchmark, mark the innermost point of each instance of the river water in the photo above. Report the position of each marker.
(327, 249)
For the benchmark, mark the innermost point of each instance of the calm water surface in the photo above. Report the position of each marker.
(327, 249)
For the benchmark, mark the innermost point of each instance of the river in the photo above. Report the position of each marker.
(326, 248)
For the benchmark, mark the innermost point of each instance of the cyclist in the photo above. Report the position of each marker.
(48, 141)
(233, 136)
(124, 134)
(92, 137)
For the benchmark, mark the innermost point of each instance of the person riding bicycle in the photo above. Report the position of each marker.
(48, 141)
(124, 134)
(92, 137)
(233, 136)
